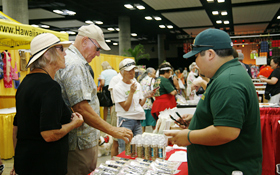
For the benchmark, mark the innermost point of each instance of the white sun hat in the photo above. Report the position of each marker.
(41, 43)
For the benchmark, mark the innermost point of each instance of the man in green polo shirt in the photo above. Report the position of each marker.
(224, 134)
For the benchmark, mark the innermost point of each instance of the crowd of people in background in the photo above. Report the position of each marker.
(63, 81)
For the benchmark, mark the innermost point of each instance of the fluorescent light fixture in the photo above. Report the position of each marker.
(34, 25)
(115, 44)
(71, 32)
(220, 1)
(72, 13)
(157, 18)
(129, 6)
(278, 17)
(170, 26)
(89, 22)
(111, 29)
(117, 29)
(215, 12)
(58, 11)
(45, 26)
(162, 26)
(148, 18)
(140, 7)
(98, 22)
(133, 34)
(226, 22)
(210, 0)
(224, 13)
(108, 41)
(219, 21)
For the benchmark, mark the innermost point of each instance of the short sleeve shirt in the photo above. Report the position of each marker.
(40, 107)
(77, 85)
(107, 75)
(147, 85)
(229, 100)
(121, 92)
(165, 86)
(274, 89)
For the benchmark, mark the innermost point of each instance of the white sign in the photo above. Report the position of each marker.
(261, 60)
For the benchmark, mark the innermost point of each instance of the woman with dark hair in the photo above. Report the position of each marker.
(165, 95)
(272, 90)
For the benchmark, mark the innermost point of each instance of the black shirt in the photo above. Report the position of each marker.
(274, 89)
(40, 107)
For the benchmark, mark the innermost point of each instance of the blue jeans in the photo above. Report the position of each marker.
(133, 125)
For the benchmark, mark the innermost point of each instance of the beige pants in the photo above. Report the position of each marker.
(82, 162)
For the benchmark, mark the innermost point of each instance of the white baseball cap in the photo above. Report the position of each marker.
(94, 32)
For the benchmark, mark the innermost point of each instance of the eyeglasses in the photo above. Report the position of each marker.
(60, 48)
(127, 65)
(97, 48)
(196, 46)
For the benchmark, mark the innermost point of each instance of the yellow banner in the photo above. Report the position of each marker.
(15, 35)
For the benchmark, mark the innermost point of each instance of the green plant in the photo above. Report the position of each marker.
(137, 52)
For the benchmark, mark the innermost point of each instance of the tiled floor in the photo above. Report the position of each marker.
(10, 162)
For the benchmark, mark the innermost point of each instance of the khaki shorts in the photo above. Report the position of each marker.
(113, 118)
(82, 161)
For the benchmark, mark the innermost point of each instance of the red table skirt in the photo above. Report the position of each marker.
(270, 139)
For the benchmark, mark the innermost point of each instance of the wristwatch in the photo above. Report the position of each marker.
(2, 168)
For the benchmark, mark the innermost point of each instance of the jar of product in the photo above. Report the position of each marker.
(154, 151)
(147, 151)
(133, 148)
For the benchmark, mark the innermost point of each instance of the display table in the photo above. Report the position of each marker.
(6, 132)
(183, 167)
(186, 109)
(270, 126)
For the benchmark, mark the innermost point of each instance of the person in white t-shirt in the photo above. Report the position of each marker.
(113, 113)
(129, 99)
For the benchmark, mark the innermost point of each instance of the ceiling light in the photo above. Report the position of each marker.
(115, 44)
(223, 13)
(278, 17)
(170, 26)
(220, 1)
(215, 12)
(226, 22)
(148, 18)
(58, 11)
(111, 29)
(162, 26)
(34, 25)
(117, 29)
(89, 22)
(70, 12)
(45, 26)
(65, 12)
(157, 18)
(98, 22)
(140, 7)
(108, 41)
(219, 21)
(133, 34)
(210, 0)
(129, 6)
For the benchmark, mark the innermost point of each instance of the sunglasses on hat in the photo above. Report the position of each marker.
(197, 46)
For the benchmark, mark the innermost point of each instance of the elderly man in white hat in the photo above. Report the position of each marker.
(43, 121)
(129, 99)
(79, 93)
